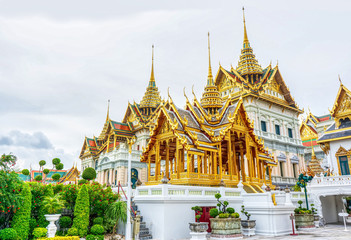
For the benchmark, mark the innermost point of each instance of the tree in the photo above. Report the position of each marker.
(81, 212)
(21, 219)
(46, 171)
(56, 161)
(89, 174)
(56, 177)
(7, 162)
(25, 172)
(59, 166)
(302, 182)
(53, 205)
(117, 211)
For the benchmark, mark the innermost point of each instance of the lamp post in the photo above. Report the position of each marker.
(302, 182)
(130, 142)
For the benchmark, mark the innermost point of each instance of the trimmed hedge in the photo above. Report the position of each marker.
(65, 222)
(21, 218)
(94, 237)
(72, 232)
(89, 173)
(8, 234)
(62, 238)
(97, 229)
(98, 220)
(39, 232)
(81, 212)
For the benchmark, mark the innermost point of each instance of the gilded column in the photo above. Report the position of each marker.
(167, 160)
(220, 161)
(157, 160)
(243, 175)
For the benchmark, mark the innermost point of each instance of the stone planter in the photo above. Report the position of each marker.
(316, 220)
(52, 218)
(304, 221)
(198, 230)
(198, 226)
(248, 227)
(225, 228)
(348, 219)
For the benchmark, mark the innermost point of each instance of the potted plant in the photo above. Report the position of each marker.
(52, 206)
(315, 215)
(248, 225)
(198, 230)
(303, 217)
(225, 222)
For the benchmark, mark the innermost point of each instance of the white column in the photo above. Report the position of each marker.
(129, 191)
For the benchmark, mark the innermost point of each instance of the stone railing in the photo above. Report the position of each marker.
(166, 190)
(331, 181)
(281, 180)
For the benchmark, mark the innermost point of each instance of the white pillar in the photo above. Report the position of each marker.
(129, 193)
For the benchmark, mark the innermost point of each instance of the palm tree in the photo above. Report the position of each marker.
(53, 205)
(117, 211)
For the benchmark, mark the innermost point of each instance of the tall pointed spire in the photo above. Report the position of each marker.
(248, 63)
(108, 110)
(151, 97)
(210, 77)
(211, 98)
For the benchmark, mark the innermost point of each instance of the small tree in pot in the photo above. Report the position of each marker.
(248, 225)
(198, 227)
(303, 217)
(52, 206)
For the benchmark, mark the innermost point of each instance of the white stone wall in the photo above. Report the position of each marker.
(334, 147)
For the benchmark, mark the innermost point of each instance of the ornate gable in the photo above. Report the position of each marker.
(342, 105)
(307, 133)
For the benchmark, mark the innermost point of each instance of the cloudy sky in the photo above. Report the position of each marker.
(60, 61)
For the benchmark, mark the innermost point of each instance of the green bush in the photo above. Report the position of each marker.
(214, 212)
(8, 234)
(25, 172)
(60, 233)
(81, 212)
(82, 181)
(20, 221)
(223, 215)
(235, 215)
(48, 192)
(72, 232)
(230, 210)
(95, 237)
(65, 222)
(39, 232)
(97, 229)
(59, 166)
(38, 178)
(46, 171)
(56, 177)
(42, 163)
(32, 224)
(98, 220)
(56, 161)
(89, 173)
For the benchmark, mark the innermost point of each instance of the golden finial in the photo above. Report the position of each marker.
(192, 91)
(210, 77)
(245, 32)
(152, 77)
(108, 110)
(313, 155)
(184, 92)
(340, 79)
(277, 62)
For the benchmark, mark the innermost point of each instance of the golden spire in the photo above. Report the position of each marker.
(108, 110)
(211, 98)
(151, 97)
(313, 155)
(248, 63)
(210, 77)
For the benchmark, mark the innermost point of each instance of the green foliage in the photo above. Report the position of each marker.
(69, 195)
(117, 211)
(65, 222)
(222, 206)
(89, 174)
(82, 181)
(53, 205)
(8, 234)
(60, 233)
(46, 171)
(244, 212)
(72, 232)
(58, 188)
(59, 166)
(98, 220)
(39, 232)
(223, 215)
(48, 192)
(300, 203)
(7, 162)
(38, 178)
(62, 238)
(25, 172)
(56, 177)
(20, 221)
(97, 229)
(313, 209)
(81, 212)
(32, 224)
(95, 237)
(198, 212)
(10, 187)
(235, 215)
(42, 163)
(230, 210)
(56, 161)
(214, 212)
(218, 196)
(297, 188)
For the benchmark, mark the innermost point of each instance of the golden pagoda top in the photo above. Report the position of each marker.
(151, 97)
(248, 63)
(314, 165)
(211, 98)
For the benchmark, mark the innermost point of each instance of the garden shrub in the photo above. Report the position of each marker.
(223, 215)
(32, 224)
(72, 232)
(48, 192)
(42, 163)
(20, 221)
(82, 181)
(62, 238)
(97, 229)
(56, 177)
(39, 232)
(25, 172)
(230, 210)
(98, 220)
(95, 237)
(81, 212)
(69, 195)
(46, 171)
(214, 212)
(89, 173)
(8, 234)
(65, 222)
(60, 233)
(38, 178)
(235, 215)
(56, 161)
(59, 166)
(58, 188)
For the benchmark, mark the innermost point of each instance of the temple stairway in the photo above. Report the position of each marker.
(144, 232)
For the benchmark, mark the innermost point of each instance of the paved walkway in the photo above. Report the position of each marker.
(330, 231)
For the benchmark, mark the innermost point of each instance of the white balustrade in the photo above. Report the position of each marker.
(331, 181)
